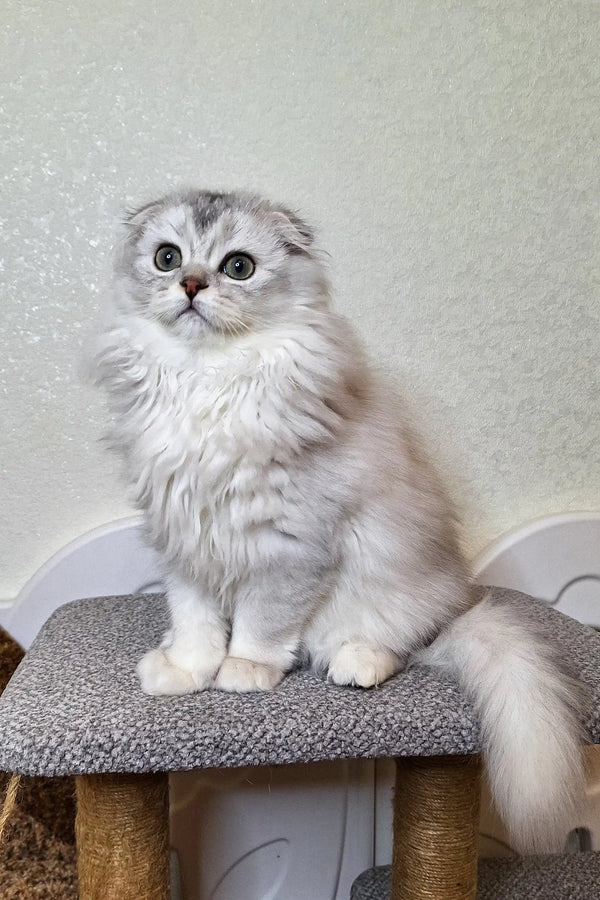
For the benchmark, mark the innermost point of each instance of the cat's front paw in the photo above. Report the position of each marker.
(160, 677)
(361, 665)
(242, 675)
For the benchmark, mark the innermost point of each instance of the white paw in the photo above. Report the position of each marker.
(160, 677)
(362, 666)
(243, 675)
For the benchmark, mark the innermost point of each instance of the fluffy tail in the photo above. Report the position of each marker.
(530, 711)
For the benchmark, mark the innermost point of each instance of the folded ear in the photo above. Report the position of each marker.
(138, 217)
(298, 236)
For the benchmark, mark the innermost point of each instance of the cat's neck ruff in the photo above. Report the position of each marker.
(201, 429)
(311, 351)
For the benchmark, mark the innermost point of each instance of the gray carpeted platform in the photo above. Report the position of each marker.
(75, 705)
(575, 876)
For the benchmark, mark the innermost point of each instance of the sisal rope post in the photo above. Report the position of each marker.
(436, 817)
(122, 833)
(9, 802)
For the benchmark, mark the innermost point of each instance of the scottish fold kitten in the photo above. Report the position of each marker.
(296, 516)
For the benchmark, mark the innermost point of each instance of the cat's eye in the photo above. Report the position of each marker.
(238, 266)
(167, 258)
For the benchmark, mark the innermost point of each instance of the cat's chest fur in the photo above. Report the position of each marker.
(211, 455)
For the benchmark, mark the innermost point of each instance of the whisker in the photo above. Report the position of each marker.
(234, 326)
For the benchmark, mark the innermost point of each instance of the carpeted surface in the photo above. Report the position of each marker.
(75, 705)
(574, 876)
(37, 854)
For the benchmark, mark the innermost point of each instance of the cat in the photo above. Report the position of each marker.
(296, 515)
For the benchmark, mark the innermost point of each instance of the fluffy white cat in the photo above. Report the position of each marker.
(296, 518)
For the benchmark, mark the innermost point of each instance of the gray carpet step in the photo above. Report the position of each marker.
(573, 876)
(75, 705)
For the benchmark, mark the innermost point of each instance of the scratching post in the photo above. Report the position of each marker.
(436, 816)
(122, 832)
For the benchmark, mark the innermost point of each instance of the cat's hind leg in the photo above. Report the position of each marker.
(193, 648)
(357, 643)
(361, 665)
(368, 629)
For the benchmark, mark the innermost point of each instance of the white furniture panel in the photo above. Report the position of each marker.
(110, 560)
(556, 558)
(284, 833)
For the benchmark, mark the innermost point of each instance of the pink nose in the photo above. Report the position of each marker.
(191, 286)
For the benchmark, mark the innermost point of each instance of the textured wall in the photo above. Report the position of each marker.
(449, 153)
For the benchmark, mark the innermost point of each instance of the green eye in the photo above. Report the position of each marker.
(238, 266)
(167, 258)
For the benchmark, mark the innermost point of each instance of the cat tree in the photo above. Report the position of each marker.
(74, 707)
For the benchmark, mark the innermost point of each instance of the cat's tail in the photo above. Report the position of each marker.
(530, 710)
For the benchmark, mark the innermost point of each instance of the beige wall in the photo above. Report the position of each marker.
(448, 152)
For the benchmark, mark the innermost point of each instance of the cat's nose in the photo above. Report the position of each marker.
(192, 285)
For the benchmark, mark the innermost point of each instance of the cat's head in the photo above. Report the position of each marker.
(202, 263)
